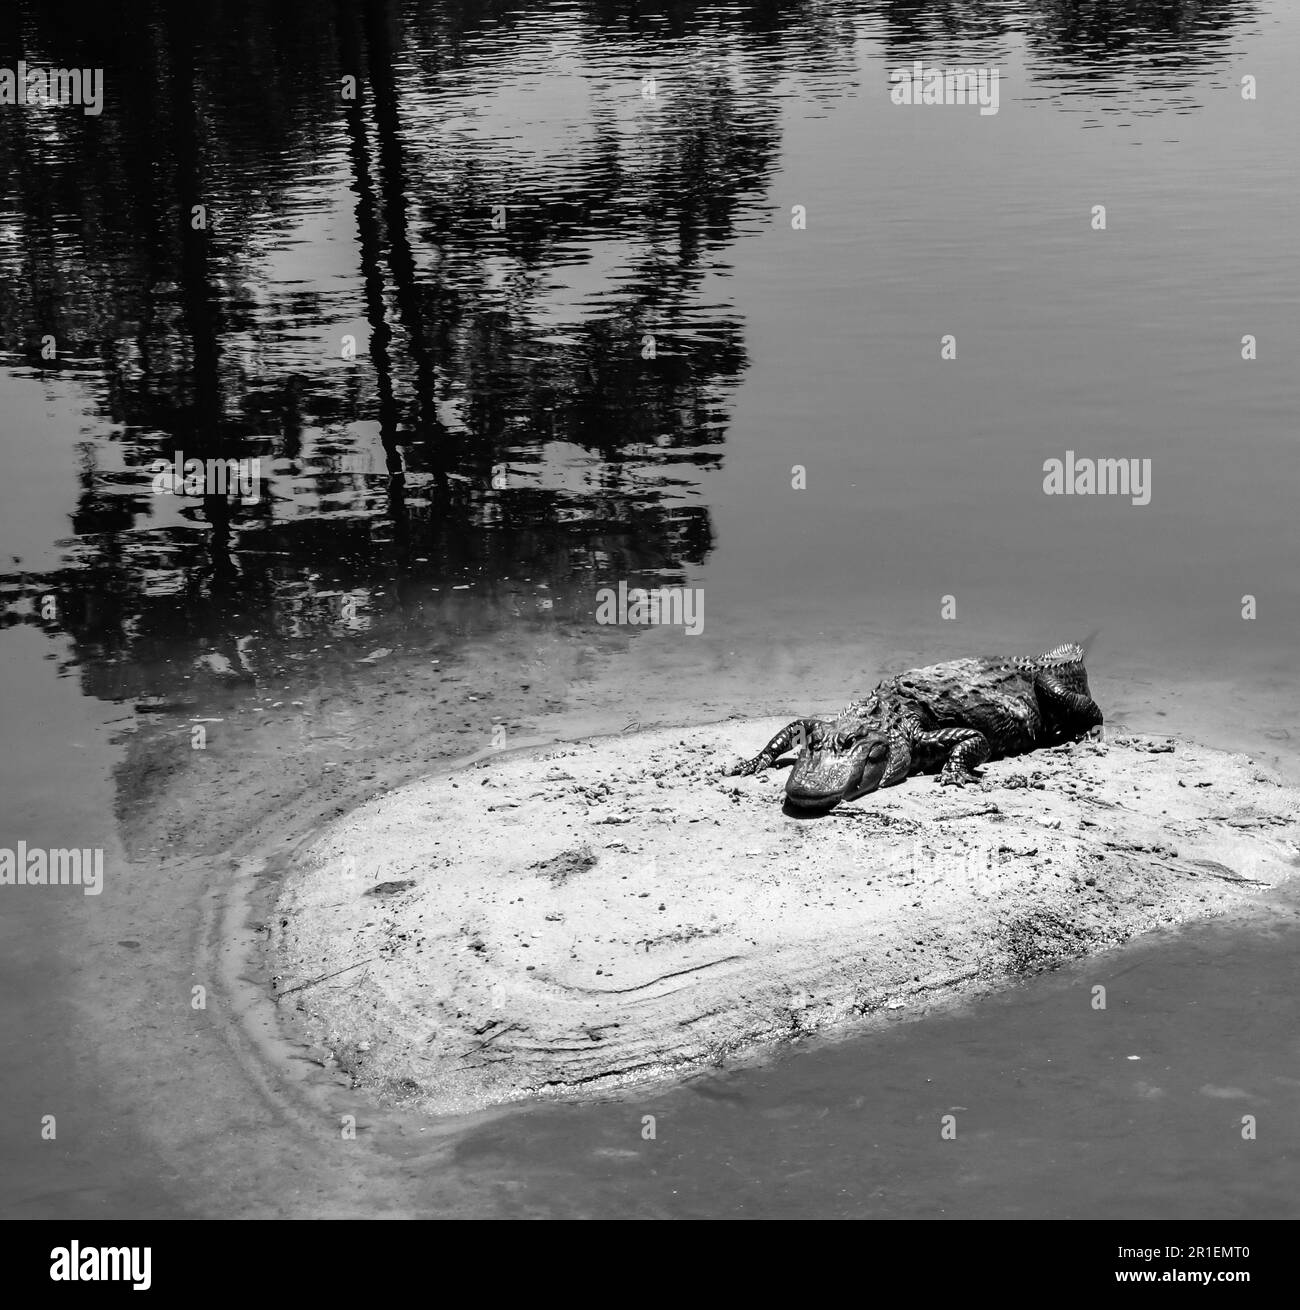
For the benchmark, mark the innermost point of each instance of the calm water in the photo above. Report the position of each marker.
(461, 437)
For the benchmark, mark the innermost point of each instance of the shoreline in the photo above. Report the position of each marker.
(611, 912)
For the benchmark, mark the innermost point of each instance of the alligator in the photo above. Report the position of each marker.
(946, 718)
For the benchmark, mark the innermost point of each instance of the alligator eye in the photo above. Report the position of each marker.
(878, 752)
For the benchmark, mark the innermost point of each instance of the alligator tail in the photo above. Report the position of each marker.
(1073, 652)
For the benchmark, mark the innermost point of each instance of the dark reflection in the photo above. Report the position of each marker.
(1101, 41)
(531, 400)
(1189, 31)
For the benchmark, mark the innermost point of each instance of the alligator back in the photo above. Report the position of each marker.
(1001, 697)
(944, 694)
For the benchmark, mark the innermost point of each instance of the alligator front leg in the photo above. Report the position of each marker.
(793, 734)
(962, 750)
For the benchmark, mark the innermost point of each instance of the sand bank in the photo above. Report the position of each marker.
(581, 917)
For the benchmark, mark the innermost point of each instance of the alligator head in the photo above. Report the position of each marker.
(843, 762)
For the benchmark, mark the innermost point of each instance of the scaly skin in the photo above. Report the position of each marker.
(946, 718)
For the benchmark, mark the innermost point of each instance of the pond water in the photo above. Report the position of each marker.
(531, 316)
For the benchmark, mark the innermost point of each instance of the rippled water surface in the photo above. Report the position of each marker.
(528, 316)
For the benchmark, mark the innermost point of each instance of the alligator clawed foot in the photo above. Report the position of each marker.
(959, 778)
(746, 767)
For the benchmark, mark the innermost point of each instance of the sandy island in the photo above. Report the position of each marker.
(611, 911)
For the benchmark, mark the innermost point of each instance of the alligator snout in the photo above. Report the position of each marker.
(822, 777)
